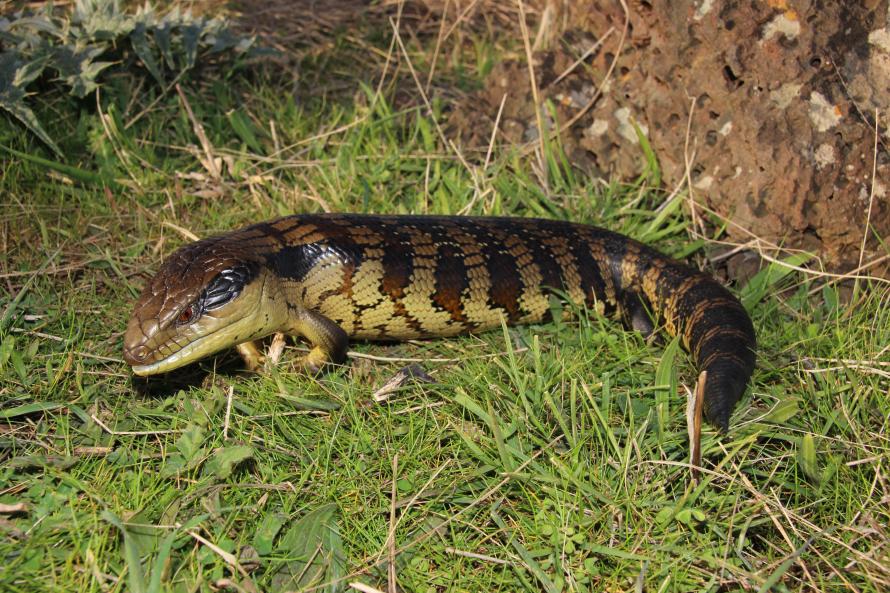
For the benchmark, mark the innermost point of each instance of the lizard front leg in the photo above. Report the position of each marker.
(328, 340)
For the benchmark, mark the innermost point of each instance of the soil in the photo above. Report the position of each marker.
(781, 134)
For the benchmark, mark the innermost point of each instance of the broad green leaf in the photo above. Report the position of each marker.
(690, 516)
(6, 348)
(139, 39)
(12, 96)
(102, 19)
(222, 40)
(806, 458)
(29, 71)
(189, 443)
(264, 536)
(225, 459)
(315, 552)
(191, 34)
(784, 411)
(77, 68)
(163, 37)
(42, 22)
(666, 383)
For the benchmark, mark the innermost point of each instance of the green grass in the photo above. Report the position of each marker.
(539, 460)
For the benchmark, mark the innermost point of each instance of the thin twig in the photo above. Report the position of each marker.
(131, 432)
(476, 556)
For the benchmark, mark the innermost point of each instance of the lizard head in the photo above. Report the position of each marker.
(206, 297)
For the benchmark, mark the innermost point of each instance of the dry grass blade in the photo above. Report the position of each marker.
(12, 509)
(228, 558)
(131, 432)
(276, 349)
(364, 588)
(694, 408)
(181, 230)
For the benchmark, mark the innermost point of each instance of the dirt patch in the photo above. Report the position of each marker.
(783, 118)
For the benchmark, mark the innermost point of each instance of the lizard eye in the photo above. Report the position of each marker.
(187, 315)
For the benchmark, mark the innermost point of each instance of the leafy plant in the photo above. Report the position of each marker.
(79, 46)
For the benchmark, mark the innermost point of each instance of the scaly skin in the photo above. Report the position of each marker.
(333, 277)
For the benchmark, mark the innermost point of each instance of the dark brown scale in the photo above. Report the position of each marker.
(451, 281)
(506, 284)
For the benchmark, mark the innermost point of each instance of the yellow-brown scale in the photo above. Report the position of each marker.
(333, 277)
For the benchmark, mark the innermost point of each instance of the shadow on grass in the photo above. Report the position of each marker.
(196, 375)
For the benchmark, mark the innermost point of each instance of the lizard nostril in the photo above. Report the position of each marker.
(139, 353)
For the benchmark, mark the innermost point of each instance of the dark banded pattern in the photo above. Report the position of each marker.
(338, 276)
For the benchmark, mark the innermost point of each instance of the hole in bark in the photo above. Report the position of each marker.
(811, 230)
(731, 78)
(729, 74)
